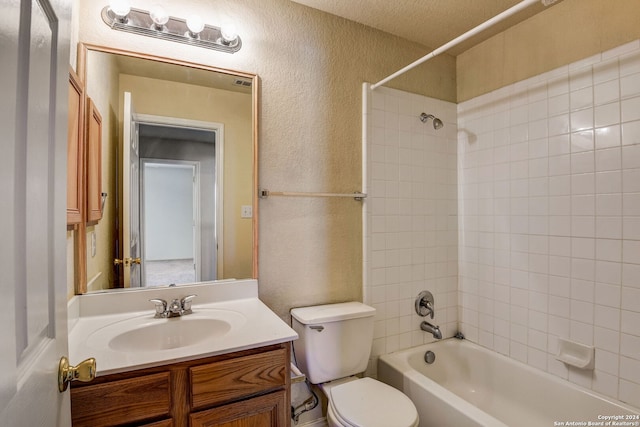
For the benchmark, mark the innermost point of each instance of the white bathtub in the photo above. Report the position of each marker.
(468, 385)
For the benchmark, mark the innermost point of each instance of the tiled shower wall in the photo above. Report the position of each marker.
(549, 204)
(411, 235)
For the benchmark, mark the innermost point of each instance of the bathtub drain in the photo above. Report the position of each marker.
(429, 357)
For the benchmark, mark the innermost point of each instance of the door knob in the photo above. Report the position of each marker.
(85, 372)
(126, 261)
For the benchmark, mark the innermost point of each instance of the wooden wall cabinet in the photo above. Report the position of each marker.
(84, 157)
(94, 163)
(75, 151)
(247, 388)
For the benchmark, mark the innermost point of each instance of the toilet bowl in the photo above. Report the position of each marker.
(368, 403)
(334, 345)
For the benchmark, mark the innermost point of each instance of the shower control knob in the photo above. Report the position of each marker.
(424, 304)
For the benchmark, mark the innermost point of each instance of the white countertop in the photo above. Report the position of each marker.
(92, 312)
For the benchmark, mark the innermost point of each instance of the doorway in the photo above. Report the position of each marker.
(181, 165)
(170, 221)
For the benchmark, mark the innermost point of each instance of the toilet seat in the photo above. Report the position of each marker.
(370, 403)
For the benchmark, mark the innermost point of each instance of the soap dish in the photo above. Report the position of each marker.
(575, 354)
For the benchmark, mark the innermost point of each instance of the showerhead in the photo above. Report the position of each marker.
(437, 123)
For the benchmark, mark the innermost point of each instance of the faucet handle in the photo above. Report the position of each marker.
(424, 304)
(161, 306)
(185, 302)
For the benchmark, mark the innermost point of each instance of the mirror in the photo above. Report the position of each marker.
(178, 172)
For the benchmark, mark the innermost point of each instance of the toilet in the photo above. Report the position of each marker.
(334, 345)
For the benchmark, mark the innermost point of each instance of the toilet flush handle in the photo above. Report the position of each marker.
(318, 328)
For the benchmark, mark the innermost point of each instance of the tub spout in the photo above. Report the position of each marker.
(434, 330)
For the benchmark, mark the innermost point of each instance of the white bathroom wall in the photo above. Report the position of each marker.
(549, 203)
(168, 189)
(411, 217)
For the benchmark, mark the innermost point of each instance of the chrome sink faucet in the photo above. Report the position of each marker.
(176, 308)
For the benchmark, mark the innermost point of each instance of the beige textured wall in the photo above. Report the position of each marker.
(312, 66)
(104, 70)
(564, 33)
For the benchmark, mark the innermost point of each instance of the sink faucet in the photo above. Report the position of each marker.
(177, 307)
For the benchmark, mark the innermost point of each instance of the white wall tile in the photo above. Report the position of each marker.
(607, 137)
(569, 256)
(549, 218)
(631, 133)
(630, 109)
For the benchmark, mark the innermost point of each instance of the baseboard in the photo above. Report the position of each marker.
(321, 422)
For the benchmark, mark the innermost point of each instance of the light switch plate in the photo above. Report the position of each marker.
(246, 211)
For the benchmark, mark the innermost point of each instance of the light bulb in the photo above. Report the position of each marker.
(195, 25)
(159, 16)
(120, 8)
(229, 33)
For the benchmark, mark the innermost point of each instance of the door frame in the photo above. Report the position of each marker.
(218, 129)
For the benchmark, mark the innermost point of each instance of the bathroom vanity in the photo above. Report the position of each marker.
(249, 387)
(227, 364)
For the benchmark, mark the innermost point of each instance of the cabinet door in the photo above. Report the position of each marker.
(269, 410)
(128, 401)
(228, 380)
(75, 151)
(94, 163)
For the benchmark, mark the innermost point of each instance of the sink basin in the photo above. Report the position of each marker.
(147, 334)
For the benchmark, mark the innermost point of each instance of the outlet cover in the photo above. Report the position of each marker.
(246, 211)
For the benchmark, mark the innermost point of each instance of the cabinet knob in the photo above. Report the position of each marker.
(85, 372)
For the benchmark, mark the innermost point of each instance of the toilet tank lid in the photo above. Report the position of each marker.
(332, 312)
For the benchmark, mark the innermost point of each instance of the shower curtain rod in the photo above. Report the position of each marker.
(511, 11)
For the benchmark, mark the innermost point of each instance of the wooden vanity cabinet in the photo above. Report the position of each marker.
(247, 388)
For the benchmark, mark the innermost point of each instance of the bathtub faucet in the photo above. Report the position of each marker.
(434, 330)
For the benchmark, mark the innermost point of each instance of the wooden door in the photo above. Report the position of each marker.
(131, 195)
(34, 42)
(94, 163)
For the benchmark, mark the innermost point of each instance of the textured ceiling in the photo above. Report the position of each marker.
(431, 23)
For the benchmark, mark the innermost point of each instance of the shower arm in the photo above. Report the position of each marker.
(489, 23)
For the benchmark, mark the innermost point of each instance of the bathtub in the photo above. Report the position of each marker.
(470, 386)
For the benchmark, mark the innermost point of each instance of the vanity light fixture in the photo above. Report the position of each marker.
(157, 23)
(195, 26)
(120, 9)
(159, 17)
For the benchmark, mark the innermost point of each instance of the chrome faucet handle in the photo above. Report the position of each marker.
(430, 309)
(161, 307)
(185, 303)
(175, 307)
(424, 304)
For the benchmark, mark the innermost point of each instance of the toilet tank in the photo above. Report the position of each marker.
(334, 340)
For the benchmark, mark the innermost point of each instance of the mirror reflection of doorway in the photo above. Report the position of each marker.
(170, 223)
(181, 171)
